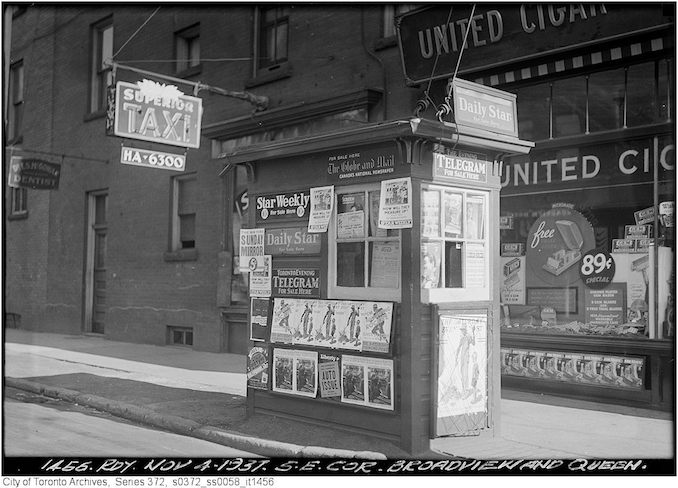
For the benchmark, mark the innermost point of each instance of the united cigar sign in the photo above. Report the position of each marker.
(431, 38)
(154, 112)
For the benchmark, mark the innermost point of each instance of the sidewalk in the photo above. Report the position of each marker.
(202, 395)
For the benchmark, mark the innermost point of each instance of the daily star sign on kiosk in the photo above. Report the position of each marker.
(155, 112)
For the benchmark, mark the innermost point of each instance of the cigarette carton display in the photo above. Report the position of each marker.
(563, 259)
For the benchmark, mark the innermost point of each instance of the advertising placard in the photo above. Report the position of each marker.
(513, 280)
(283, 206)
(367, 382)
(152, 159)
(251, 245)
(33, 173)
(430, 213)
(587, 369)
(462, 364)
(483, 107)
(150, 111)
(260, 276)
(259, 322)
(322, 202)
(385, 264)
(460, 166)
(292, 241)
(329, 376)
(395, 204)
(257, 368)
(606, 307)
(336, 324)
(295, 372)
(645, 216)
(452, 208)
(555, 245)
(363, 164)
(296, 282)
(562, 300)
(431, 259)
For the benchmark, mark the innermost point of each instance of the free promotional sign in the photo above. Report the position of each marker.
(33, 173)
(152, 159)
(150, 111)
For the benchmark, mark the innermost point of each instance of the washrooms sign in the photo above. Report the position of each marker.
(33, 173)
(150, 111)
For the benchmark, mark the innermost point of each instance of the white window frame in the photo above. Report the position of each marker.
(476, 294)
(16, 103)
(175, 233)
(356, 293)
(102, 76)
(21, 195)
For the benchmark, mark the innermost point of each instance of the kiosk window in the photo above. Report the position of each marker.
(454, 249)
(361, 254)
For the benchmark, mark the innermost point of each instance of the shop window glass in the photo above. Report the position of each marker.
(534, 104)
(606, 100)
(362, 255)
(665, 84)
(569, 107)
(641, 108)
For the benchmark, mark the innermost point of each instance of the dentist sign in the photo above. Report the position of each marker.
(150, 111)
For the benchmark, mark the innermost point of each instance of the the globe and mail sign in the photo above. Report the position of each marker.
(154, 112)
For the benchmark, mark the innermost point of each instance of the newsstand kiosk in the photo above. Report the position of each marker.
(373, 256)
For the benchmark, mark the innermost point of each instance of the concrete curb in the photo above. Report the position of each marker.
(179, 425)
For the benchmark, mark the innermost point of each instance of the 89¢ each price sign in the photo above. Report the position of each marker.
(597, 269)
(152, 159)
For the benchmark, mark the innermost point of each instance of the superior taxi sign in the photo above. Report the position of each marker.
(150, 111)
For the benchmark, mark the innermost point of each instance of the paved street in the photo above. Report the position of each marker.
(50, 429)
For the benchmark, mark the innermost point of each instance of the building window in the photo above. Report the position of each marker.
(16, 102)
(633, 96)
(179, 336)
(102, 53)
(272, 39)
(187, 43)
(390, 13)
(363, 256)
(184, 198)
(19, 202)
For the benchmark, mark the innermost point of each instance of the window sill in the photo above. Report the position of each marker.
(95, 115)
(16, 141)
(18, 216)
(385, 43)
(270, 74)
(181, 255)
(188, 72)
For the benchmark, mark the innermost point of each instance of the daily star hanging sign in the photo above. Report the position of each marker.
(150, 111)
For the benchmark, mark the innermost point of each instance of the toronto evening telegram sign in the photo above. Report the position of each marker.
(149, 111)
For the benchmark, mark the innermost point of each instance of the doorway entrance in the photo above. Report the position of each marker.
(95, 278)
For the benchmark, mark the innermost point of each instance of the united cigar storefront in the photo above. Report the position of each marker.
(587, 242)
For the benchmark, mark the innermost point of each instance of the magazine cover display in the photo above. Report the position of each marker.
(334, 324)
(295, 372)
(367, 382)
(257, 368)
